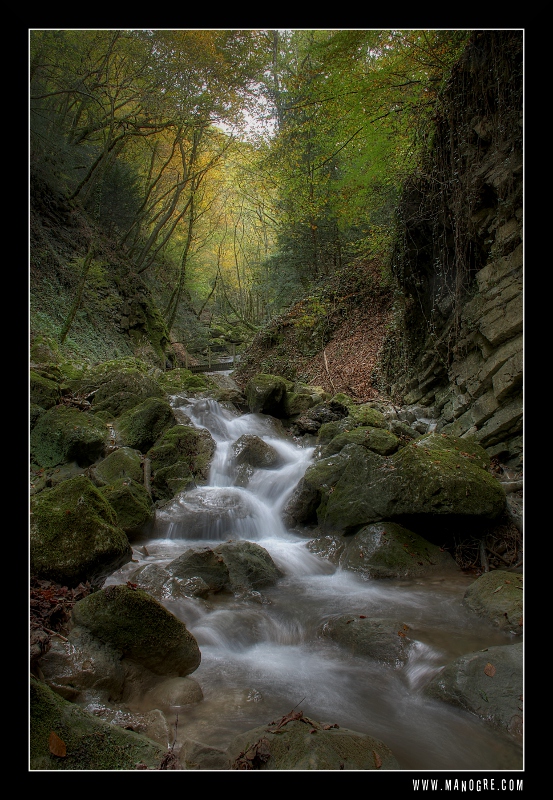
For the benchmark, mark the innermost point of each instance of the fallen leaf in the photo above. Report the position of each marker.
(489, 669)
(362, 616)
(57, 745)
(377, 760)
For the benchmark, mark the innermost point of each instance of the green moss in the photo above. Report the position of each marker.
(63, 434)
(90, 743)
(140, 628)
(182, 380)
(74, 535)
(142, 425)
(182, 456)
(131, 503)
(43, 391)
(375, 439)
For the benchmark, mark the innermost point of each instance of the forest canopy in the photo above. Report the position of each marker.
(236, 170)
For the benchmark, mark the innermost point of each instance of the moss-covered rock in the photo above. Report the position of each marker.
(305, 744)
(322, 413)
(250, 566)
(123, 463)
(35, 413)
(178, 380)
(43, 391)
(64, 737)
(487, 683)
(389, 550)
(498, 597)
(367, 416)
(201, 563)
(142, 425)
(140, 628)
(434, 475)
(63, 434)
(266, 394)
(116, 386)
(252, 450)
(379, 441)
(131, 503)
(181, 457)
(74, 535)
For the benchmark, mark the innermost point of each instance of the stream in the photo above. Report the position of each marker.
(262, 655)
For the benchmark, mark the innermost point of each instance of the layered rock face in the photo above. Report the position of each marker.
(458, 345)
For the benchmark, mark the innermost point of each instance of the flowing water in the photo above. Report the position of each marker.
(262, 655)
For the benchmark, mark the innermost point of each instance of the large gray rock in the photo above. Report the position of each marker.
(250, 566)
(140, 629)
(488, 683)
(384, 550)
(498, 597)
(201, 563)
(384, 640)
(74, 536)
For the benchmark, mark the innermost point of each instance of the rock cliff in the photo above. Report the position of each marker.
(457, 338)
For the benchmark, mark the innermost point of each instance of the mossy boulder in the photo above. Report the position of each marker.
(204, 563)
(305, 744)
(434, 475)
(43, 391)
(117, 386)
(303, 397)
(124, 463)
(142, 425)
(64, 737)
(35, 412)
(384, 640)
(250, 566)
(132, 504)
(498, 597)
(180, 458)
(379, 441)
(140, 628)
(62, 435)
(266, 394)
(252, 450)
(322, 413)
(181, 380)
(488, 683)
(384, 550)
(74, 536)
(367, 416)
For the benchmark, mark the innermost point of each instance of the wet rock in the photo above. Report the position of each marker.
(304, 744)
(498, 597)
(140, 628)
(488, 683)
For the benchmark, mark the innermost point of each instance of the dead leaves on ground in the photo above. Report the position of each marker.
(57, 745)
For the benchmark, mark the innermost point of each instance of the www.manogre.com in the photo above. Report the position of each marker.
(471, 785)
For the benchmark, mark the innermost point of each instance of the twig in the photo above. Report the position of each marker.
(489, 549)
(328, 373)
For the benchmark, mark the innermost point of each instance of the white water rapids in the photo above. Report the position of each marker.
(263, 656)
